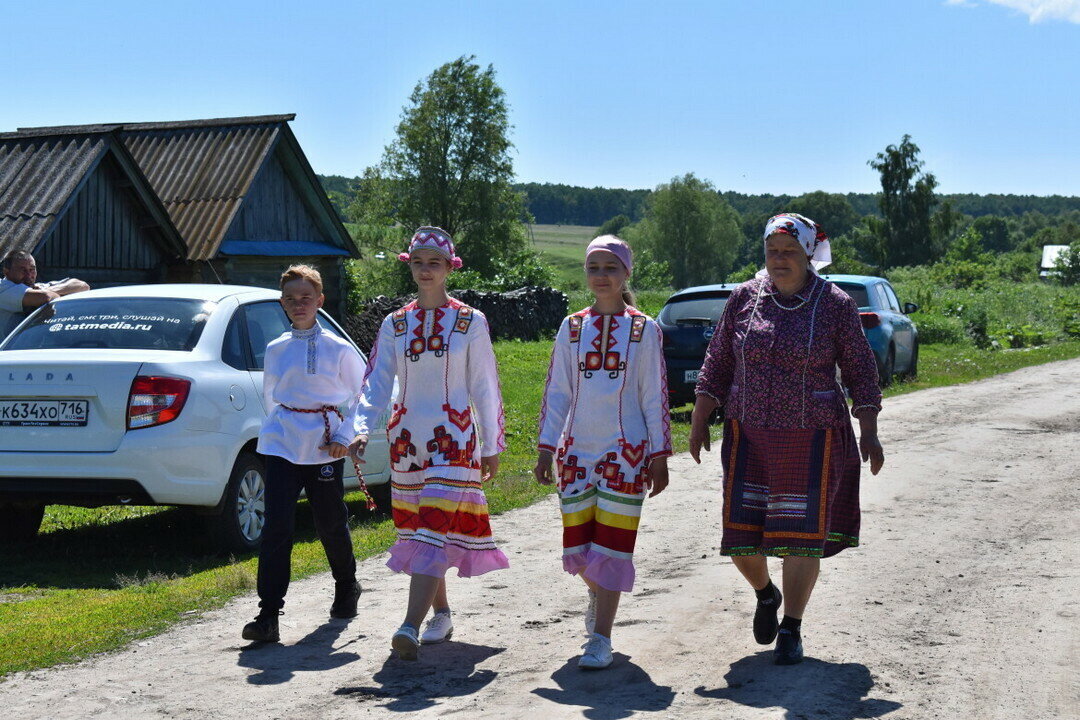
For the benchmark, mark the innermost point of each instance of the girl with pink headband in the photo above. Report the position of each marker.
(604, 425)
(445, 434)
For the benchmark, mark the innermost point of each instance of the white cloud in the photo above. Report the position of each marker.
(1036, 10)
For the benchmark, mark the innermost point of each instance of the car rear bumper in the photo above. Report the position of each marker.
(679, 389)
(149, 467)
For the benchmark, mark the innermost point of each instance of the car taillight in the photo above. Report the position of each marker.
(667, 341)
(156, 400)
(869, 320)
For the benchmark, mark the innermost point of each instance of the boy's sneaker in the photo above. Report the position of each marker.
(439, 628)
(590, 614)
(264, 628)
(597, 655)
(345, 598)
(405, 643)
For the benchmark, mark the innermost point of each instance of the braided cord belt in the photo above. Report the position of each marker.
(326, 435)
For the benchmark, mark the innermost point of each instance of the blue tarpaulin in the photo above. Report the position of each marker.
(279, 248)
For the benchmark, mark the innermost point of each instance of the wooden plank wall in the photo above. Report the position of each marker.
(273, 210)
(104, 237)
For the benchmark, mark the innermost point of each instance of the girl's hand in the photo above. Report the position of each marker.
(488, 467)
(657, 478)
(358, 446)
(699, 426)
(542, 471)
(336, 450)
(870, 448)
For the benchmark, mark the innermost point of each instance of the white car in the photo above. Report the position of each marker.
(146, 395)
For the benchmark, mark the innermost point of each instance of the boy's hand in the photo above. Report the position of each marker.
(336, 450)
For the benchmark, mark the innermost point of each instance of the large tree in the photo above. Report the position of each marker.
(450, 166)
(832, 211)
(691, 228)
(907, 201)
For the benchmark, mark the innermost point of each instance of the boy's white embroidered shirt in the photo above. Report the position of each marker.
(308, 370)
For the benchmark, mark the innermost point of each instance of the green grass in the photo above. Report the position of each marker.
(563, 247)
(97, 579)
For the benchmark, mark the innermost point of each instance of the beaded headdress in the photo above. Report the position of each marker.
(432, 238)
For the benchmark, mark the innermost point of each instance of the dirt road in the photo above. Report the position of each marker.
(962, 602)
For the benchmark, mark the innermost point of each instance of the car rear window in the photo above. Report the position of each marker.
(120, 323)
(857, 292)
(694, 310)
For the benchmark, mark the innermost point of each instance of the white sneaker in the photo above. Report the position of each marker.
(405, 643)
(439, 628)
(590, 614)
(597, 655)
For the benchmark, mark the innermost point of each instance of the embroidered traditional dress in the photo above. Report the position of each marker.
(308, 370)
(446, 372)
(791, 461)
(605, 417)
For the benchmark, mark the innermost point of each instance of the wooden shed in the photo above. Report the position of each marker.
(80, 204)
(240, 194)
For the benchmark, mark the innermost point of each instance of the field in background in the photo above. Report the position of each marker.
(563, 247)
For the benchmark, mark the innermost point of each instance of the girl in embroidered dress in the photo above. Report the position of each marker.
(604, 423)
(791, 462)
(310, 382)
(439, 350)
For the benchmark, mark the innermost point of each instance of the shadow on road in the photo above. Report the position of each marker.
(443, 671)
(836, 691)
(611, 694)
(279, 663)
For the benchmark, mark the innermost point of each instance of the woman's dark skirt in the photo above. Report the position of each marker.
(790, 492)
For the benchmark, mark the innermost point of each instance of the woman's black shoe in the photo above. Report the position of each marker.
(788, 648)
(765, 622)
(345, 599)
(264, 628)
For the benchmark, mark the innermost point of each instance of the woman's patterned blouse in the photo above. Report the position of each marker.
(772, 360)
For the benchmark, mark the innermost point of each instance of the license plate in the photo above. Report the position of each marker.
(691, 376)
(43, 413)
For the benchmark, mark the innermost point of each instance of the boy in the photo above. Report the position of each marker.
(308, 375)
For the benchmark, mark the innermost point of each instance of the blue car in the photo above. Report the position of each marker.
(689, 318)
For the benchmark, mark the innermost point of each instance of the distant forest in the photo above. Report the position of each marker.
(557, 204)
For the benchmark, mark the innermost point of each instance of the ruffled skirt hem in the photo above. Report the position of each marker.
(418, 558)
(616, 574)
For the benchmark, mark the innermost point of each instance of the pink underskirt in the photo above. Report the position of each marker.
(609, 573)
(417, 558)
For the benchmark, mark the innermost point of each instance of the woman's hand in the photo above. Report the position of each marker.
(657, 478)
(358, 446)
(336, 450)
(870, 448)
(489, 466)
(542, 471)
(699, 426)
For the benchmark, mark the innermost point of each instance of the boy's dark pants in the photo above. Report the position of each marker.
(325, 494)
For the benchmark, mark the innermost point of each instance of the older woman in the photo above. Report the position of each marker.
(791, 462)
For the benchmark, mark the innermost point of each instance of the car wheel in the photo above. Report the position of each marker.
(19, 522)
(885, 372)
(243, 514)
(913, 367)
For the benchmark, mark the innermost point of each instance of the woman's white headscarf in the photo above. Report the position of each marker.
(806, 232)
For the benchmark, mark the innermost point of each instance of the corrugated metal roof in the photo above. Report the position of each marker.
(37, 178)
(201, 175)
(200, 169)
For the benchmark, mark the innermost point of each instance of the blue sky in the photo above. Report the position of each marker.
(781, 96)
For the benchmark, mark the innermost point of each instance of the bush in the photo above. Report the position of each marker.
(938, 329)
(1022, 336)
